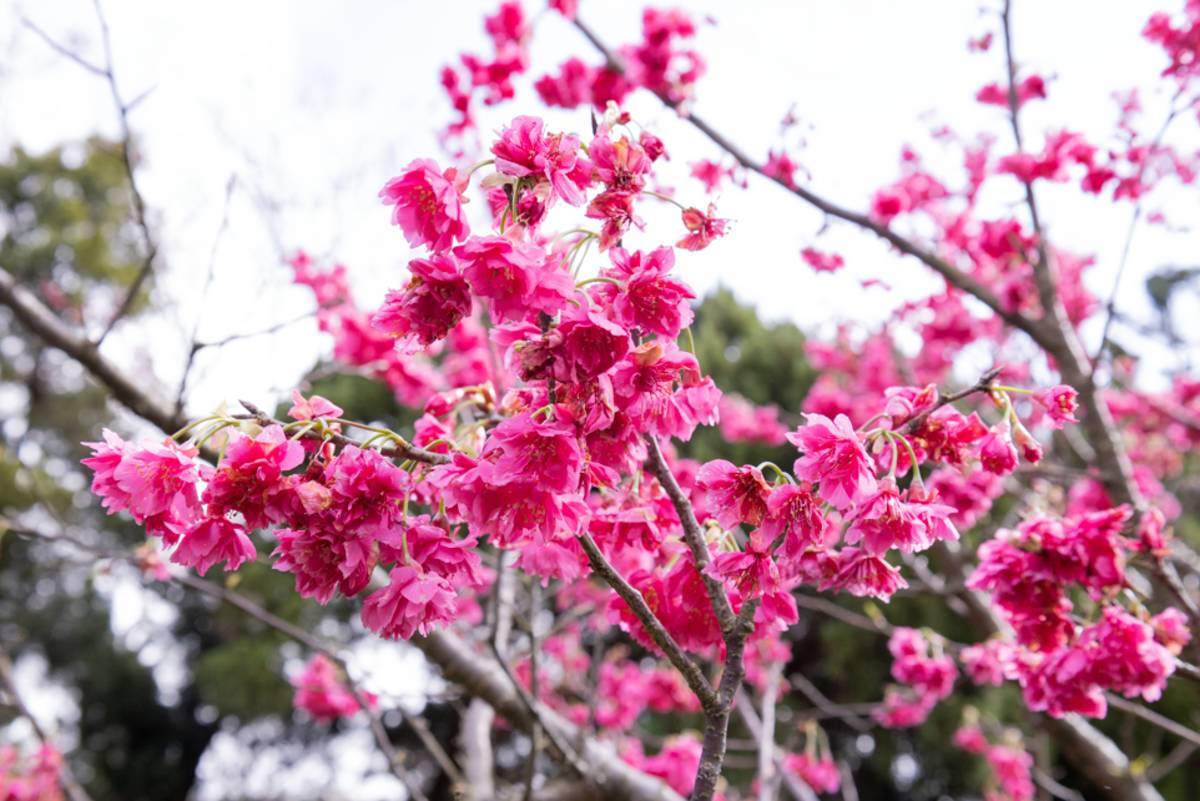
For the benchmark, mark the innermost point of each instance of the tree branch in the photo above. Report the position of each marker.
(690, 671)
(952, 275)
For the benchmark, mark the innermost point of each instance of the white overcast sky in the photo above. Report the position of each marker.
(313, 105)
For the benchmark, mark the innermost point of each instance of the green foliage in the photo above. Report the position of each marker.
(765, 363)
(66, 218)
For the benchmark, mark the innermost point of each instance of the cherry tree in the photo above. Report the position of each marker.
(539, 535)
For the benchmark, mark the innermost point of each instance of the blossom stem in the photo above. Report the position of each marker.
(666, 198)
(779, 471)
(478, 166)
(599, 279)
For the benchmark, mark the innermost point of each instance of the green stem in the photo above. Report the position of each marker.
(599, 279)
(779, 471)
(666, 198)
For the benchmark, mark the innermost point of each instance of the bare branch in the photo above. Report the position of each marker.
(953, 275)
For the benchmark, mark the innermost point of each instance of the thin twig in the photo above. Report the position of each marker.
(1154, 718)
(953, 275)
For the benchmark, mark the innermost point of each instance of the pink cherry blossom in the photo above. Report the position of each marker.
(833, 455)
(324, 561)
(156, 483)
(428, 205)
(413, 602)
(819, 773)
(647, 299)
(864, 574)
(735, 494)
(312, 408)
(321, 692)
(212, 540)
(525, 150)
(433, 302)
(249, 479)
(703, 227)
(822, 262)
(515, 278)
(1059, 403)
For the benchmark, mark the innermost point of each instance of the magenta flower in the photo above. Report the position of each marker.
(1060, 404)
(312, 408)
(733, 494)
(511, 513)
(432, 303)
(621, 165)
(155, 483)
(752, 572)
(997, 454)
(864, 574)
(834, 456)
(431, 546)
(902, 708)
(412, 602)
(885, 521)
(526, 150)
(822, 262)
(515, 278)
(616, 208)
(913, 663)
(819, 773)
(324, 562)
(541, 450)
(703, 227)
(428, 205)
(989, 662)
(367, 491)
(793, 510)
(647, 299)
(213, 540)
(321, 692)
(249, 478)
(644, 387)
(584, 345)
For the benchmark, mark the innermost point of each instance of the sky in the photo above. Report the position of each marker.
(307, 107)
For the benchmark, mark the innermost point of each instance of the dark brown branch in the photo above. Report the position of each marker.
(662, 638)
(952, 275)
(31, 313)
(984, 384)
(693, 536)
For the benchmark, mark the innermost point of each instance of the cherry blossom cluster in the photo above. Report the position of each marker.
(1011, 765)
(924, 673)
(661, 63)
(322, 692)
(30, 779)
(1063, 665)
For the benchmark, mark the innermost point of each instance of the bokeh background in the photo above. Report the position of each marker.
(265, 127)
